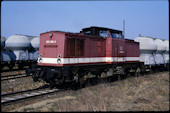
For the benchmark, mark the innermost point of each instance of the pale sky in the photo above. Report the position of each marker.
(148, 18)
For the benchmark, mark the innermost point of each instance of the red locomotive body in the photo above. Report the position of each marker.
(95, 52)
(62, 49)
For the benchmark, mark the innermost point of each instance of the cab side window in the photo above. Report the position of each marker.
(113, 35)
(103, 33)
(87, 32)
(117, 35)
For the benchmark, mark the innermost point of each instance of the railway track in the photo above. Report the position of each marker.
(13, 76)
(11, 70)
(27, 94)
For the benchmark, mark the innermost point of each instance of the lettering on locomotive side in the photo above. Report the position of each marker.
(121, 51)
(51, 41)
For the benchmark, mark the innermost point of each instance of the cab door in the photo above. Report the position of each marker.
(115, 51)
(118, 50)
(121, 48)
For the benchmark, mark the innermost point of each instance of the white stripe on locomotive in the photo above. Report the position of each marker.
(88, 60)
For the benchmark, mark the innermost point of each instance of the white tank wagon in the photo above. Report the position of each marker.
(159, 53)
(20, 45)
(147, 48)
(166, 54)
(4, 55)
(35, 44)
(22, 50)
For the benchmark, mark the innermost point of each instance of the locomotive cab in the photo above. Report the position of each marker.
(103, 32)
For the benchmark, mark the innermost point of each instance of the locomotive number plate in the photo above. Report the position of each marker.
(51, 41)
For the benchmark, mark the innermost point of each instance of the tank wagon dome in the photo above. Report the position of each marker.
(146, 43)
(167, 45)
(18, 42)
(35, 43)
(160, 45)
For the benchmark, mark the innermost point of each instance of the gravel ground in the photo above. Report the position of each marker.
(145, 93)
(19, 84)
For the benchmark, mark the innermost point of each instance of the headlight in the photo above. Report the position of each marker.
(40, 60)
(59, 61)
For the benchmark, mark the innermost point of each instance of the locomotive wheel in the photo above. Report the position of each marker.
(132, 74)
(103, 80)
(91, 82)
(76, 84)
(113, 78)
(123, 76)
(151, 72)
(52, 84)
(36, 76)
(88, 82)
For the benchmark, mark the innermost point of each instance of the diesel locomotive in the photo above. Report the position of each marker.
(95, 52)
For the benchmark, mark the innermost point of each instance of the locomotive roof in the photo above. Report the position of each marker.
(56, 31)
(88, 28)
(104, 28)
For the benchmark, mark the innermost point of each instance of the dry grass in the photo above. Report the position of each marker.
(145, 93)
